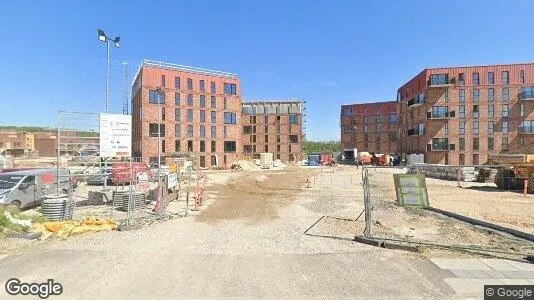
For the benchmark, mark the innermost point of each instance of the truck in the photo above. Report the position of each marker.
(513, 170)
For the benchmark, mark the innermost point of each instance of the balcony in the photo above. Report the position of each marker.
(415, 132)
(440, 147)
(526, 129)
(440, 115)
(414, 102)
(442, 81)
(526, 95)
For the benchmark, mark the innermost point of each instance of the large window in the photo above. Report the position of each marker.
(155, 97)
(293, 138)
(527, 126)
(189, 84)
(505, 127)
(229, 118)
(476, 95)
(440, 144)
(347, 111)
(491, 78)
(177, 130)
(177, 114)
(153, 130)
(461, 79)
(213, 131)
(446, 96)
(189, 115)
(202, 131)
(462, 127)
(213, 147)
(475, 127)
(378, 118)
(202, 116)
(527, 92)
(213, 102)
(504, 144)
(176, 98)
(189, 131)
(438, 79)
(190, 100)
(490, 127)
(202, 101)
(229, 146)
(476, 144)
(163, 80)
(440, 112)
(476, 79)
(293, 119)
(491, 94)
(213, 117)
(229, 89)
(461, 144)
(505, 77)
(177, 83)
(476, 112)
(393, 118)
(505, 109)
(213, 90)
(461, 111)
(202, 86)
(522, 76)
(491, 143)
(461, 95)
(505, 94)
(491, 112)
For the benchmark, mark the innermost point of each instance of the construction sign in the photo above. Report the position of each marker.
(411, 190)
(173, 168)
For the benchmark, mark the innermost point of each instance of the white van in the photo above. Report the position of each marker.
(26, 188)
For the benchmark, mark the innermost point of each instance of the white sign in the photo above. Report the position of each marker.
(115, 135)
(172, 180)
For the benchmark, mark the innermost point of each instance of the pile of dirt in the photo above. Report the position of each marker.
(244, 165)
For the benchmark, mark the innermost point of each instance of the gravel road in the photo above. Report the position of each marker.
(247, 241)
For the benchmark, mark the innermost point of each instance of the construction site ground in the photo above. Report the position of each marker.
(285, 232)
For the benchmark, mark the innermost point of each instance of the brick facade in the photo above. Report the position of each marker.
(370, 127)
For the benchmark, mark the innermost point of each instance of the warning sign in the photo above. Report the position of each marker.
(411, 190)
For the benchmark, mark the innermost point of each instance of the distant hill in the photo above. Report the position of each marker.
(40, 129)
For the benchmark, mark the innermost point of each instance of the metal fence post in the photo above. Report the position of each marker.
(367, 203)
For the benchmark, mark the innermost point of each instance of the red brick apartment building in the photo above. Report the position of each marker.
(460, 115)
(370, 127)
(198, 110)
(273, 126)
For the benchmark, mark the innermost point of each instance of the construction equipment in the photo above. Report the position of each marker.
(514, 171)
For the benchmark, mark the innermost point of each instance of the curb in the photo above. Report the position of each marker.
(384, 244)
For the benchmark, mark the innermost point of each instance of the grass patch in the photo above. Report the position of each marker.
(6, 223)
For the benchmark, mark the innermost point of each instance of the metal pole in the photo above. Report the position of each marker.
(58, 152)
(160, 194)
(107, 76)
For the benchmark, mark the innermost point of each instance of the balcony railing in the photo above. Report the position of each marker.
(437, 116)
(441, 147)
(441, 82)
(526, 129)
(527, 95)
(416, 131)
(414, 102)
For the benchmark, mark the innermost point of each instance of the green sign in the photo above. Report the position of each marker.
(411, 190)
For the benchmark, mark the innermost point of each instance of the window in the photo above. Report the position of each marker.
(153, 130)
(491, 78)
(475, 159)
(461, 159)
(247, 129)
(438, 79)
(475, 127)
(440, 112)
(213, 132)
(156, 97)
(202, 101)
(461, 95)
(225, 132)
(446, 95)
(266, 148)
(446, 128)
(491, 111)
(163, 113)
(491, 143)
(229, 146)
(475, 144)
(213, 102)
(213, 146)
(462, 127)
(461, 79)
(177, 83)
(505, 77)
(505, 127)
(366, 128)
(522, 110)
(505, 94)
(213, 90)
(293, 119)
(476, 95)
(348, 129)
(163, 146)
(446, 158)
(440, 144)
(213, 117)
(393, 118)
(225, 104)
(366, 119)
(504, 144)
(266, 130)
(189, 145)
(177, 114)
(476, 112)
(176, 98)
(491, 94)
(266, 120)
(189, 99)
(202, 131)
(163, 80)
(202, 116)
(266, 138)
(392, 136)
(461, 144)
(347, 111)
(526, 126)
(189, 84)
(189, 131)
(278, 139)
(490, 127)
(293, 138)
(505, 110)
(522, 141)
(202, 86)
(177, 130)
(229, 89)
(189, 115)
(522, 76)
(229, 118)
(177, 146)
(461, 112)
(476, 79)
(421, 98)
(378, 118)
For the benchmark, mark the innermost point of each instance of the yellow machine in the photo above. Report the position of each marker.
(515, 168)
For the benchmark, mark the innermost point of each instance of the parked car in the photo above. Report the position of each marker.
(27, 188)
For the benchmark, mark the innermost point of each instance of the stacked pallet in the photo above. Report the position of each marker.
(445, 172)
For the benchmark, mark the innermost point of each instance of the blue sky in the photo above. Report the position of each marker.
(327, 52)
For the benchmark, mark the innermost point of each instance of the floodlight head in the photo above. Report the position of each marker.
(117, 40)
(101, 36)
